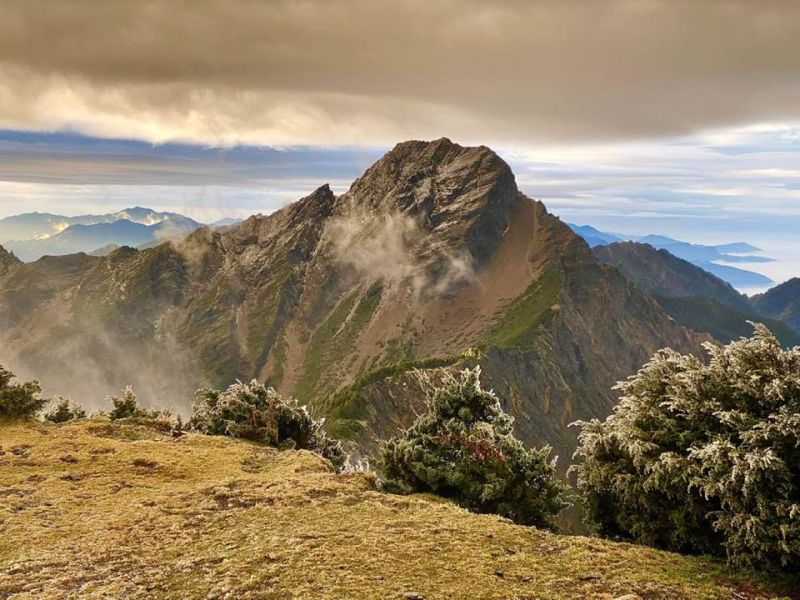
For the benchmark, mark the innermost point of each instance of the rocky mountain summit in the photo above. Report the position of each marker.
(432, 258)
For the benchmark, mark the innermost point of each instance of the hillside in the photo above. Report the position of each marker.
(211, 517)
(8, 261)
(782, 303)
(660, 273)
(692, 296)
(433, 256)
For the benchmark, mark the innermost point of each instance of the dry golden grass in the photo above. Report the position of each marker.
(92, 509)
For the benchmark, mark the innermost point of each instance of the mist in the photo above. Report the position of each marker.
(394, 248)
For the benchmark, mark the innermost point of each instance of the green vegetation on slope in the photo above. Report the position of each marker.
(93, 508)
(702, 456)
(463, 448)
(334, 337)
(517, 326)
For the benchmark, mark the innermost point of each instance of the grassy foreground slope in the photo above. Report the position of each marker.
(94, 509)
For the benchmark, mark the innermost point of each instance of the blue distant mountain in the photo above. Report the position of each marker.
(737, 247)
(35, 225)
(704, 256)
(736, 277)
(704, 253)
(595, 237)
(58, 236)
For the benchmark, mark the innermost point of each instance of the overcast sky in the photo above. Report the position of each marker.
(676, 117)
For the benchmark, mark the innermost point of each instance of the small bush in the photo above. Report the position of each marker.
(65, 410)
(463, 448)
(18, 400)
(255, 412)
(127, 406)
(703, 457)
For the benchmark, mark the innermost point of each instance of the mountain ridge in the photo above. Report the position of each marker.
(433, 256)
(781, 302)
(707, 257)
(40, 225)
(694, 297)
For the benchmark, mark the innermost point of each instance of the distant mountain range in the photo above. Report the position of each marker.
(36, 225)
(706, 257)
(33, 235)
(700, 300)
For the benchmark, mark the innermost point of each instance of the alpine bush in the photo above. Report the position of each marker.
(65, 410)
(703, 456)
(127, 406)
(255, 412)
(463, 448)
(18, 400)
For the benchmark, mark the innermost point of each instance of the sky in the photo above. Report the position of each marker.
(678, 117)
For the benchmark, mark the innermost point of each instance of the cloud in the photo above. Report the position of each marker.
(388, 247)
(740, 183)
(374, 71)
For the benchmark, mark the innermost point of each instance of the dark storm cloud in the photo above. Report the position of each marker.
(373, 72)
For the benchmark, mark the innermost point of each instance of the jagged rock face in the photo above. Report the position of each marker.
(782, 303)
(462, 197)
(85, 325)
(26, 287)
(432, 258)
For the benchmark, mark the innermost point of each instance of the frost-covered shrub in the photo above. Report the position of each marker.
(19, 399)
(463, 448)
(703, 457)
(65, 410)
(127, 406)
(255, 412)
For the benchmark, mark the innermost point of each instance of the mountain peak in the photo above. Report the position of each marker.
(461, 195)
(7, 260)
(440, 151)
